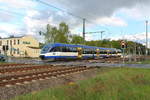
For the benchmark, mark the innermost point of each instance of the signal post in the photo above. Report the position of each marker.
(123, 46)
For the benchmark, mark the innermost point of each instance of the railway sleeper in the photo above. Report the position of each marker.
(44, 76)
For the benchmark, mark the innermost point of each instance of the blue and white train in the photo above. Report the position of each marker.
(59, 51)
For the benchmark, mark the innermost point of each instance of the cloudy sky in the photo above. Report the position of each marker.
(118, 18)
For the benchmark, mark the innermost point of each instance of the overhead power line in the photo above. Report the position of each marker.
(69, 13)
(16, 13)
(60, 9)
(11, 12)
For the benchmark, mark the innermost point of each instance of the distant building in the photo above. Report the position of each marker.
(25, 46)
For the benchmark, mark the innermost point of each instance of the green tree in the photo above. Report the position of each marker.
(54, 34)
(76, 39)
(63, 33)
(50, 34)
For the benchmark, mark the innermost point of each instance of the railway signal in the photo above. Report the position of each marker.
(123, 44)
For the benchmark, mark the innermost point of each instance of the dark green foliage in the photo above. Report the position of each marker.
(76, 39)
(54, 34)
(41, 45)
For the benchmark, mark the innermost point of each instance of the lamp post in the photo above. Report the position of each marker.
(146, 48)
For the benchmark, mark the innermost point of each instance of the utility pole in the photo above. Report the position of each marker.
(146, 48)
(84, 29)
(102, 34)
(135, 52)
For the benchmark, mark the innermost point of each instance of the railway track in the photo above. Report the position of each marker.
(12, 65)
(23, 69)
(106, 60)
(25, 78)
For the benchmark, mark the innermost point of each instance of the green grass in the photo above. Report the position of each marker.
(141, 62)
(115, 84)
(145, 62)
(2, 62)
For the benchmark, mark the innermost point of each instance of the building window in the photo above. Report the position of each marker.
(0, 43)
(14, 42)
(14, 52)
(18, 51)
(10, 42)
(25, 42)
(7, 42)
(18, 42)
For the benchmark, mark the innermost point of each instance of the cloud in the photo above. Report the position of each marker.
(99, 11)
(138, 12)
(5, 17)
(136, 37)
(112, 21)
(8, 29)
(19, 3)
(93, 9)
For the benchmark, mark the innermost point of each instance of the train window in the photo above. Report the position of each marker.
(105, 52)
(67, 49)
(101, 52)
(94, 51)
(91, 51)
(114, 52)
(45, 49)
(74, 49)
(55, 49)
(63, 49)
(84, 50)
(70, 49)
(52, 50)
(88, 51)
(58, 49)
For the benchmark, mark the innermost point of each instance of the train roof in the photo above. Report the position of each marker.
(83, 46)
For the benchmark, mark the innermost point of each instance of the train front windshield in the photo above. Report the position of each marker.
(46, 48)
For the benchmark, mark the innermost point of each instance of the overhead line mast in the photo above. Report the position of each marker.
(146, 52)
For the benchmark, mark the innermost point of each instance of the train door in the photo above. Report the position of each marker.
(79, 52)
(108, 53)
(97, 53)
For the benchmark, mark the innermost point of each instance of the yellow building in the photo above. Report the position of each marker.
(25, 46)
